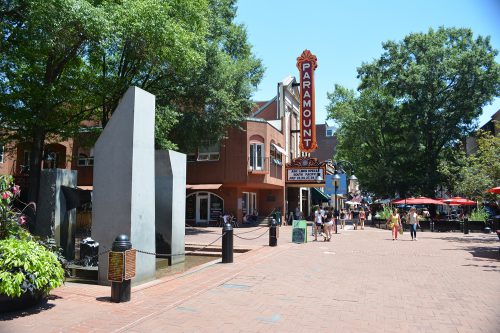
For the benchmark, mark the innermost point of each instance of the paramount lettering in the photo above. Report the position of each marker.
(306, 64)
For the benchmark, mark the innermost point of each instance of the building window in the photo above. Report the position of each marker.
(329, 131)
(204, 207)
(1, 152)
(257, 156)
(276, 157)
(191, 157)
(249, 203)
(210, 151)
(84, 160)
(26, 157)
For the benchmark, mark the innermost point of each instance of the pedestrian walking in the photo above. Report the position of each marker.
(362, 218)
(355, 219)
(318, 222)
(327, 226)
(343, 216)
(394, 222)
(413, 221)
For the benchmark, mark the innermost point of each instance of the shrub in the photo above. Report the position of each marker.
(479, 214)
(27, 266)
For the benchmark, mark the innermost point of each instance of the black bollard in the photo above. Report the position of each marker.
(120, 291)
(273, 240)
(227, 243)
(466, 226)
(431, 224)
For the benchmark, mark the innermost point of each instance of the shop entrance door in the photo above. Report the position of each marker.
(202, 208)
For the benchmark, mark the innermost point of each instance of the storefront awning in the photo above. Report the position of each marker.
(278, 148)
(319, 196)
(203, 186)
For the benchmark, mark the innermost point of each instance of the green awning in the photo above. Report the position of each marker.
(318, 196)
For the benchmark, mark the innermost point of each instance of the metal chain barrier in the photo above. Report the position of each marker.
(253, 237)
(246, 232)
(180, 254)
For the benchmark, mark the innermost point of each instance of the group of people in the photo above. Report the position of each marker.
(325, 221)
(395, 224)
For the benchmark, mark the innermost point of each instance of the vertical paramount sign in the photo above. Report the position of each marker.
(307, 63)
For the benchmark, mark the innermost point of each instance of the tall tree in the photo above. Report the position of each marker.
(218, 95)
(422, 95)
(150, 44)
(44, 76)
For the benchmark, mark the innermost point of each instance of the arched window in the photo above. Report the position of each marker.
(203, 207)
(257, 152)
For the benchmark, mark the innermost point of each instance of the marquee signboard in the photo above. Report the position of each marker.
(307, 63)
(305, 170)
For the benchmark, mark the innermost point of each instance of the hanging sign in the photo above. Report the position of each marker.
(305, 170)
(307, 63)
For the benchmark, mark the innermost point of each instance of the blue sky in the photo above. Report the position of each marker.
(344, 33)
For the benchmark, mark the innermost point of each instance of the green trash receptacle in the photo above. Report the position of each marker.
(277, 217)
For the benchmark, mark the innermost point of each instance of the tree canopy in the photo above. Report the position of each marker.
(422, 95)
(471, 175)
(65, 61)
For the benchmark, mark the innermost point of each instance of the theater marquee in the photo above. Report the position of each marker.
(307, 63)
(306, 170)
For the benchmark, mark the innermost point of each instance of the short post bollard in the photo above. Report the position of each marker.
(431, 225)
(227, 243)
(466, 226)
(118, 263)
(273, 239)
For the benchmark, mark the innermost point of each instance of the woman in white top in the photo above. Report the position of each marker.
(413, 221)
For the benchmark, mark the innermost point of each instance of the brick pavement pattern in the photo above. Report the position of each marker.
(361, 281)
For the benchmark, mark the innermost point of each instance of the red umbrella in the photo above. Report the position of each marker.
(423, 201)
(460, 201)
(495, 190)
(399, 201)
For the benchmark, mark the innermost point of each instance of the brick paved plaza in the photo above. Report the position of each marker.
(362, 281)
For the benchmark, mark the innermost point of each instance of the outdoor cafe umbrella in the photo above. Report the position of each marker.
(459, 201)
(495, 190)
(418, 201)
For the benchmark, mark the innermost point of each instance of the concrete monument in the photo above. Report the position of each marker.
(170, 204)
(54, 216)
(124, 182)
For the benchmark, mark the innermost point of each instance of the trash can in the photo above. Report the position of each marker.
(277, 217)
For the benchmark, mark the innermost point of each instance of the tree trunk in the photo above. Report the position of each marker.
(36, 156)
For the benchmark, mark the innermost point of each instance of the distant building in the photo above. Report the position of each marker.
(491, 126)
(327, 142)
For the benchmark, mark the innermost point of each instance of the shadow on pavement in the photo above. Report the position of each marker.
(40, 307)
(197, 231)
(472, 239)
(105, 299)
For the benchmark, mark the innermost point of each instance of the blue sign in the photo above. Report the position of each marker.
(341, 189)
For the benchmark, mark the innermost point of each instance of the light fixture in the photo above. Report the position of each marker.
(319, 179)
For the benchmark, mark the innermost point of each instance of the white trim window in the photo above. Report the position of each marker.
(257, 156)
(210, 151)
(330, 131)
(276, 157)
(2, 149)
(84, 160)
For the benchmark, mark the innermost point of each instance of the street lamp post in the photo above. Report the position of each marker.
(336, 180)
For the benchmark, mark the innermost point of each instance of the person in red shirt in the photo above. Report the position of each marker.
(362, 218)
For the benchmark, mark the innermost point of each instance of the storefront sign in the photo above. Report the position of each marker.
(307, 63)
(305, 175)
(305, 170)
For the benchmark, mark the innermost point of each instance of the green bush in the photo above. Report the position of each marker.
(479, 214)
(385, 213)
(27, 266)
